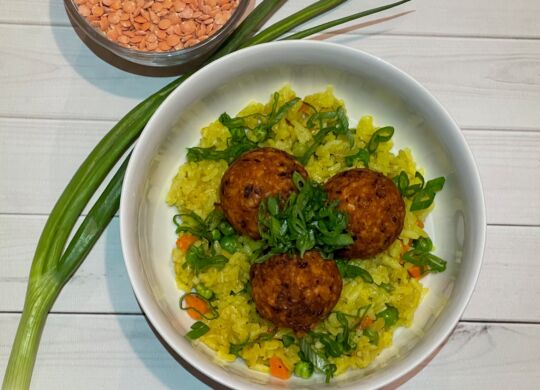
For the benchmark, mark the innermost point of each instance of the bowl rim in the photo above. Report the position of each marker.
(423, 350)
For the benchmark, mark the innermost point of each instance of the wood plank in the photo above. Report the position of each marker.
(99, 352)
(484, 356)
(102, 285)
(88, 352)
(39, 157)
(484, 83)
(509, 165)
(508, 288)
(494, 18)
(56, 76)
(32, 185)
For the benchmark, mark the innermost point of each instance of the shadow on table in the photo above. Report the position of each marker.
(97, 70)
(148, 352)
(88, 66)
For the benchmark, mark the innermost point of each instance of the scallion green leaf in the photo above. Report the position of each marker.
(307, 220)
(350, 271)
(384, 134)
(288, 340)
(199, 261)
(425, 197)
(198, 329)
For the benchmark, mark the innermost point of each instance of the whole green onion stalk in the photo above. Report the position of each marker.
(54, 263)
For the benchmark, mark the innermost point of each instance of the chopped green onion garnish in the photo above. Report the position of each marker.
(420, 255)
(307, 220)
(204, 291)
(384, 134)
(372, 335)
(287, 340)
(198, 329)
(198, 260)
(424, 198)
(350, 271)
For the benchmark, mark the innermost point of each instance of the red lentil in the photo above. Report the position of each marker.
(157, 25)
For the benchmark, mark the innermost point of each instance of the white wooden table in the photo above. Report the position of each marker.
(480, 58)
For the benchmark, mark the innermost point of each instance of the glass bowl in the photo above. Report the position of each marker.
(184, 58)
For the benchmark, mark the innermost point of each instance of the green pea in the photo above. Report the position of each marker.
(423, 244)
(372, 336)
(303, 370)
(226, 228)
(228, 243)
(204, 291)
(390, 315)
(216, 234)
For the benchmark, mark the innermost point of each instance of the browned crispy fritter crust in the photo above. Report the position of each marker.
(296, 292)
(256, 175)
(375, 209)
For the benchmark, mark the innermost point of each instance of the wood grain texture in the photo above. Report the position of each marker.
(509, 164)
(492, 18)
(32, 185)
(39, 157)
(484, 83)
(508, 286)
(507, 289)
(100, 285)
(89, 352)
(485, 356)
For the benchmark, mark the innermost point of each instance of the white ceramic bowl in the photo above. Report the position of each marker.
(368, 85)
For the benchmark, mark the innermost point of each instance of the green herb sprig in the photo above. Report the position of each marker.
(408, 190)
(351, 271)
(198, 329)
(192, 223)
(420, 255)
(425, 197)
(422, 194)
(384, 134)
(327, 122)
(309, 353)
(215, 232)
(236, 349)
(307, 220)
(239, 142)
(199, 259)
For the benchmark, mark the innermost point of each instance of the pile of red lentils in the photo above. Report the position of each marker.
(157, 25)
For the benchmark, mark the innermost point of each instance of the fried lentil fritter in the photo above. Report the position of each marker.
(375, 209)
(256, 175)
(296, 292)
